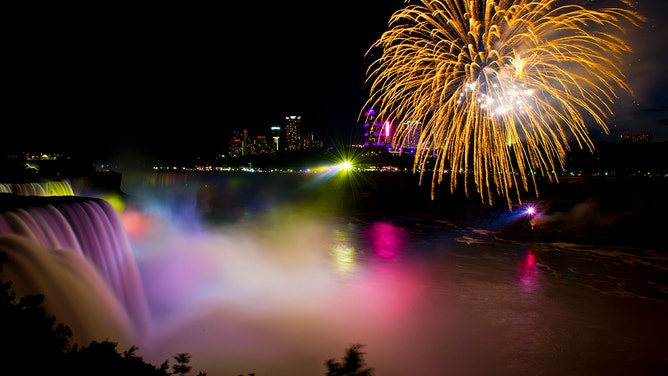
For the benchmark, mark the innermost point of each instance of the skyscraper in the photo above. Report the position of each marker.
(276, 134)
(375, 133)
(238, 143)
(411, 137)
(293, 132)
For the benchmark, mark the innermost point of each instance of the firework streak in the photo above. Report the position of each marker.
(500, 89)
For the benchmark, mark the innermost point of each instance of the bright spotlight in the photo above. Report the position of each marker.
(346, 165)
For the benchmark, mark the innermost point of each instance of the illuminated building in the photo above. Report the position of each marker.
(311, 143)
(376, 133)
(642, 138)
(259, 145)
(238, 143)
(411, 137)
(276, 134)
(293, 132)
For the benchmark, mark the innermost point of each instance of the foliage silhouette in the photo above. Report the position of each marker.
(32, 343)
(352, 364)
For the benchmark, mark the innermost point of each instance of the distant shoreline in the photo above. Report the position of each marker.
(624, 211)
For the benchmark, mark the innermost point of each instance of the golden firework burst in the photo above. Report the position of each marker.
(501, 88)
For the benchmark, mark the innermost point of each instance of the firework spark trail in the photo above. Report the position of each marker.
(501, 87)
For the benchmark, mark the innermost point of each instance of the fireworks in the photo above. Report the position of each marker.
(502, 88)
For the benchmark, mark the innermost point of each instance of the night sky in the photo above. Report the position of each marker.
(178, 78)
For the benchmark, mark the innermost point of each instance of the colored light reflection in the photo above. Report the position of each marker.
(528, 272)
(345, 259)
(344, 255)
(386, 240)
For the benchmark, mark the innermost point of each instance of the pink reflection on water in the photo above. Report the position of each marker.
(528, 273)
(386, 239)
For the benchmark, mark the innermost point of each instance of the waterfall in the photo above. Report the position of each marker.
(76, 252)
(46, 188)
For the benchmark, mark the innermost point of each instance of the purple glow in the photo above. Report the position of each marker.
(84, 232)
(208, 293)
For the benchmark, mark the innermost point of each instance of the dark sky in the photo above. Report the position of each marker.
(184, 75)
(177, 77)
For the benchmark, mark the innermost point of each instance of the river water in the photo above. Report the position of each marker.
(278, 288)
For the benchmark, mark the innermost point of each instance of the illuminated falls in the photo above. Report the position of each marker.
(75, 251)
(47, 188)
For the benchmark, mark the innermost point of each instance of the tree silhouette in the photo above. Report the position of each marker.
(27, 329)
(181, 367)
(352, 364)
(31, 343)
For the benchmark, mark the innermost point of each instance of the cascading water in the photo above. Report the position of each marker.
(47, 188)
(75, 251)
(74, 291)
